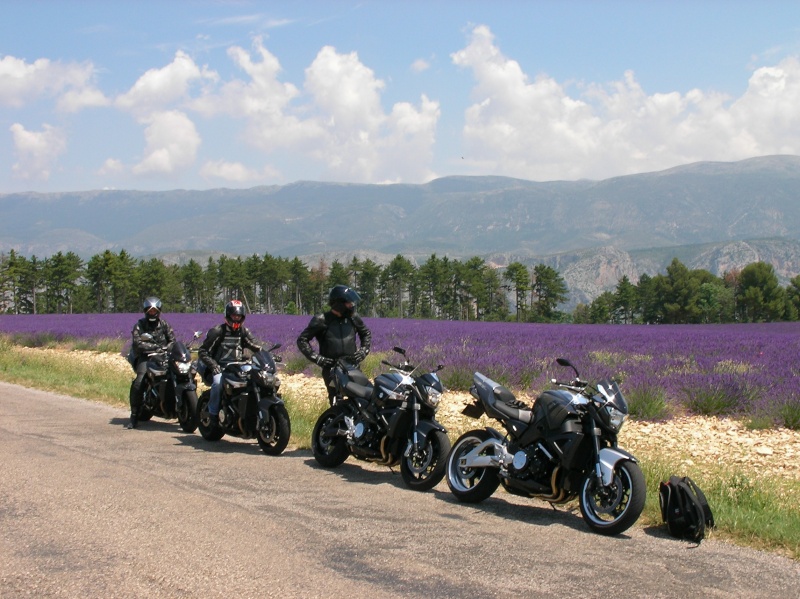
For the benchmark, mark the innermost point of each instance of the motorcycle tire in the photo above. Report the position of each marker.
(613, 509)
(470, 485)
(274, 436)
(187, 414)
(424, 469)
(145, 415)
(329, 451)
(211, 431)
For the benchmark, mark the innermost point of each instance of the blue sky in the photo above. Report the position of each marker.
(207, 94)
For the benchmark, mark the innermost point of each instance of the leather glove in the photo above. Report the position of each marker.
(359, 356)
(323, 361)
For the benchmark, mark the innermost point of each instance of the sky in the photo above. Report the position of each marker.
(207, 94)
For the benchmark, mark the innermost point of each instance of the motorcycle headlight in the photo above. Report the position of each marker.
(183, 367)
(267, 379)
(615, 417)
(432, 396)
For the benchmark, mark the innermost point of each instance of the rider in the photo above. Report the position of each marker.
(223, 344)
(335, 332)
(160, 338)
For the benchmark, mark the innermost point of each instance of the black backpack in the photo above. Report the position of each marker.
(684, 508)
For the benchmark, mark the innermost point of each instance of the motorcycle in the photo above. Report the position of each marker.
(169, 389)
(389, 422)
(564, 446)
(250, 404)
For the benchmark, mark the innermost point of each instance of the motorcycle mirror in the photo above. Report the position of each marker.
(439, 367)
(399, 350)
(567, 363)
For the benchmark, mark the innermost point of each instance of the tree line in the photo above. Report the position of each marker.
(438, 288)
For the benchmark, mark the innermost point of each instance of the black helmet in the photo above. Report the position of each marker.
(234, 309)
(343, 294)
(152, 308)
(340, 296)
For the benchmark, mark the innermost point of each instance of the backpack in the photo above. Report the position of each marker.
(684, 508)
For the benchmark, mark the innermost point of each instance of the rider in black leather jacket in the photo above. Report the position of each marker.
(159, 336)
(336, 331)
(225, 343)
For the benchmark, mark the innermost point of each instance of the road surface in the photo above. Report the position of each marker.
(89, 509)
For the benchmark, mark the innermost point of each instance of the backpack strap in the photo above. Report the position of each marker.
(708, 517)
(693, 512)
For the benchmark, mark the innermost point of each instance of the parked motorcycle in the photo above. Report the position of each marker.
(250, 404)
(564, 446)
(169, 388)
(390, 421)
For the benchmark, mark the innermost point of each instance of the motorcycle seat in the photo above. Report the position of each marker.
(354, 389)
(509, 406)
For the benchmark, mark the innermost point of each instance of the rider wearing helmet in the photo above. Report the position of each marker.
(223, 344)
(336, 331)
(150, 334)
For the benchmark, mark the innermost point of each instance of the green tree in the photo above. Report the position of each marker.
(761, 298)
(517, 276)
(625, 300)
(549, 290)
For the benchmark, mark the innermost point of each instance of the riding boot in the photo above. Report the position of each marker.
(134, 421)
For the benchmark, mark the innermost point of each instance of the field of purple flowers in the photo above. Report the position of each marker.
(747, 369)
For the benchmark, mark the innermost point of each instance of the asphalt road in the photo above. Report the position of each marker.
(89, 509)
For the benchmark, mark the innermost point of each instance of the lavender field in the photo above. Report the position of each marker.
(747, 369)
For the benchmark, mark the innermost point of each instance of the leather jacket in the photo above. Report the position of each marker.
(335, 335)
(223, 345)
(162, 334)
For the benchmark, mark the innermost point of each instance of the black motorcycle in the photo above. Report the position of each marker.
(390, 421)
(250, 404)
(169, 389)
(564, 447)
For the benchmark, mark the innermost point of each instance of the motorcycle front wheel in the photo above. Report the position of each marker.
(329, 450)
(273, 436)
(187, 413)
(211, 431)
(423, 469)
(470, 485)
(612, 509)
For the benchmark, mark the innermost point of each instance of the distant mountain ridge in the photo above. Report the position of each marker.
(714, 215)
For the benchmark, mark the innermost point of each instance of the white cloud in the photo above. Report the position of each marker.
(420, 65)
(339, 121)
(157, 89)
(36, 151)
(535, 129)
(21, 82)
(172, 143)
(236, 172)
(111, 166)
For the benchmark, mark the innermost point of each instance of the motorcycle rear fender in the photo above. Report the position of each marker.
(609, 458)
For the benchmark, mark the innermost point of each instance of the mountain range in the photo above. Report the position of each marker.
(714, 215)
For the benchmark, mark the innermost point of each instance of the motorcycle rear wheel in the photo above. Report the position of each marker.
(329, 451)
(470, 485)
(187, 414)
(211, 431)
(424, 469)
(612, 509)
(274, 436)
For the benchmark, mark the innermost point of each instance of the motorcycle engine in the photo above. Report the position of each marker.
(530, 463)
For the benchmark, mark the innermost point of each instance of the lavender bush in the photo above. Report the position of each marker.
(747, 369)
